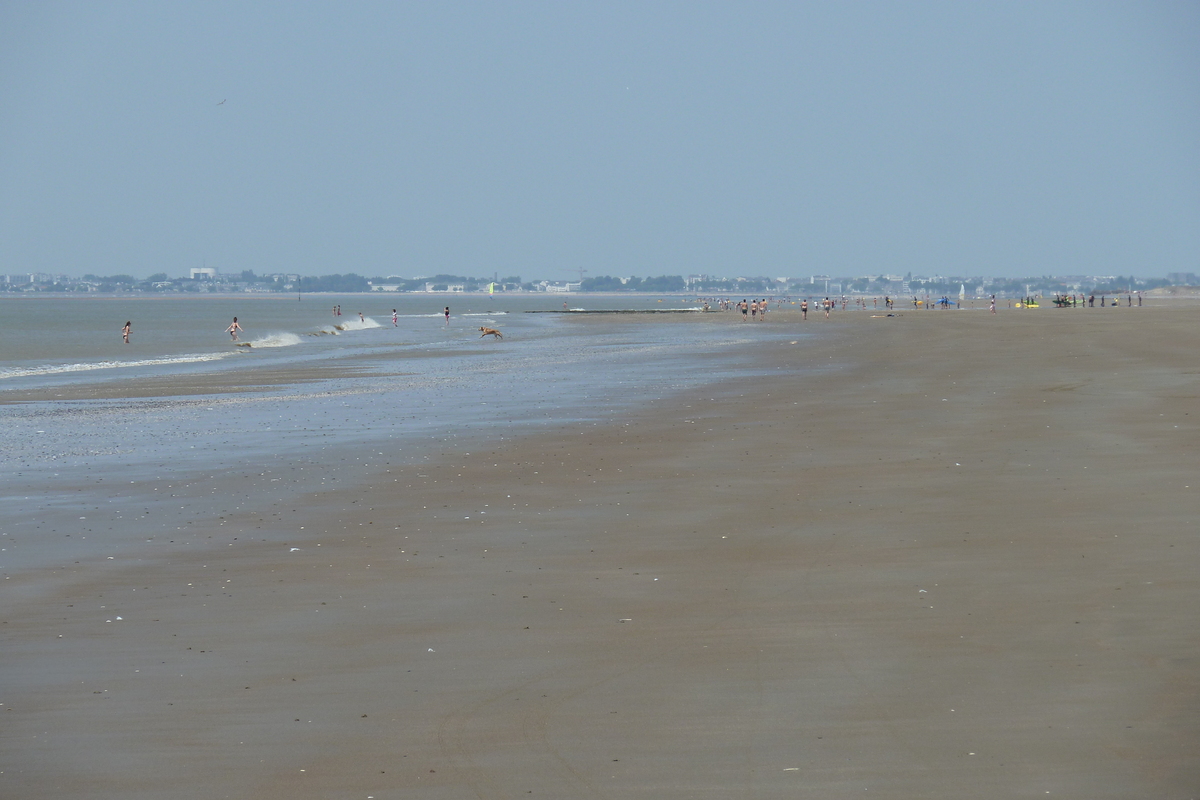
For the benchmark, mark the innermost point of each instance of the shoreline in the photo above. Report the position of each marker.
(949, 559)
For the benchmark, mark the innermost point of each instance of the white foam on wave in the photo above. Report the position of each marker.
(357, 325)
(442, 314)
(276, 340)
(55, 369)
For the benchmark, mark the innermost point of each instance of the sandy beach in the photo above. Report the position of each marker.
(936, 555)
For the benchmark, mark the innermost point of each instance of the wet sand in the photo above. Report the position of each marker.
(944, 554)
(208, 383)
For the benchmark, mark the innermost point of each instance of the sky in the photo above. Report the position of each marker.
(564, 139)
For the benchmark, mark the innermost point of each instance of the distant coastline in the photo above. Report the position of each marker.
(209, 282)
(1159, 292)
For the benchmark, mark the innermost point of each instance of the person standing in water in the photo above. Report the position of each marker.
(233, 329)
(125, 331)
(394, 323)
(447, 315)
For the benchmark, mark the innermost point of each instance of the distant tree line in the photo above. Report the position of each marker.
(607, 283)
(663, 284)
(336, 283)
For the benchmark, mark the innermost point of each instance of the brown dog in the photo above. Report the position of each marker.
(491, 332)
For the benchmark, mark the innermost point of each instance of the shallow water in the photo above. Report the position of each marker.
(58, 334)
(315, 410)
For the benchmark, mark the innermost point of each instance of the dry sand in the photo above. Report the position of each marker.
(939, 555)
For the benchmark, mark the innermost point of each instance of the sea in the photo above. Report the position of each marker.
(92, 427)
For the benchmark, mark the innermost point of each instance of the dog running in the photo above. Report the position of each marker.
(491, 332)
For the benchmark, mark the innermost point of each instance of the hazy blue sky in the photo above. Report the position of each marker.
(642, 138)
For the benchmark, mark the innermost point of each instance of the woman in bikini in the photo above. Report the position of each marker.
(233, 329)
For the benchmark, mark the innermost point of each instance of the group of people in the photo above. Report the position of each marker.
(395, 316)
(754, 308)
(235, 328)
(757, 309)
(1091, 301)
(232, 330)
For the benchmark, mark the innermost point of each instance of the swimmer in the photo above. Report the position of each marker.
(233, 329)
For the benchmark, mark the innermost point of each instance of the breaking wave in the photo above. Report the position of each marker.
(276, 340)
(357, 325)
(56, 369)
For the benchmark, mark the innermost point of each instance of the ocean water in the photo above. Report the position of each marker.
(51, 335)
(91, 427)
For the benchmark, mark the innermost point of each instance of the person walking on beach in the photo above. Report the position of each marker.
(744, 308)
(233, 329)
(828, 307)
(125, 331)
(993, 306)
(394, 323)
(447, 315)
(803, 310)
